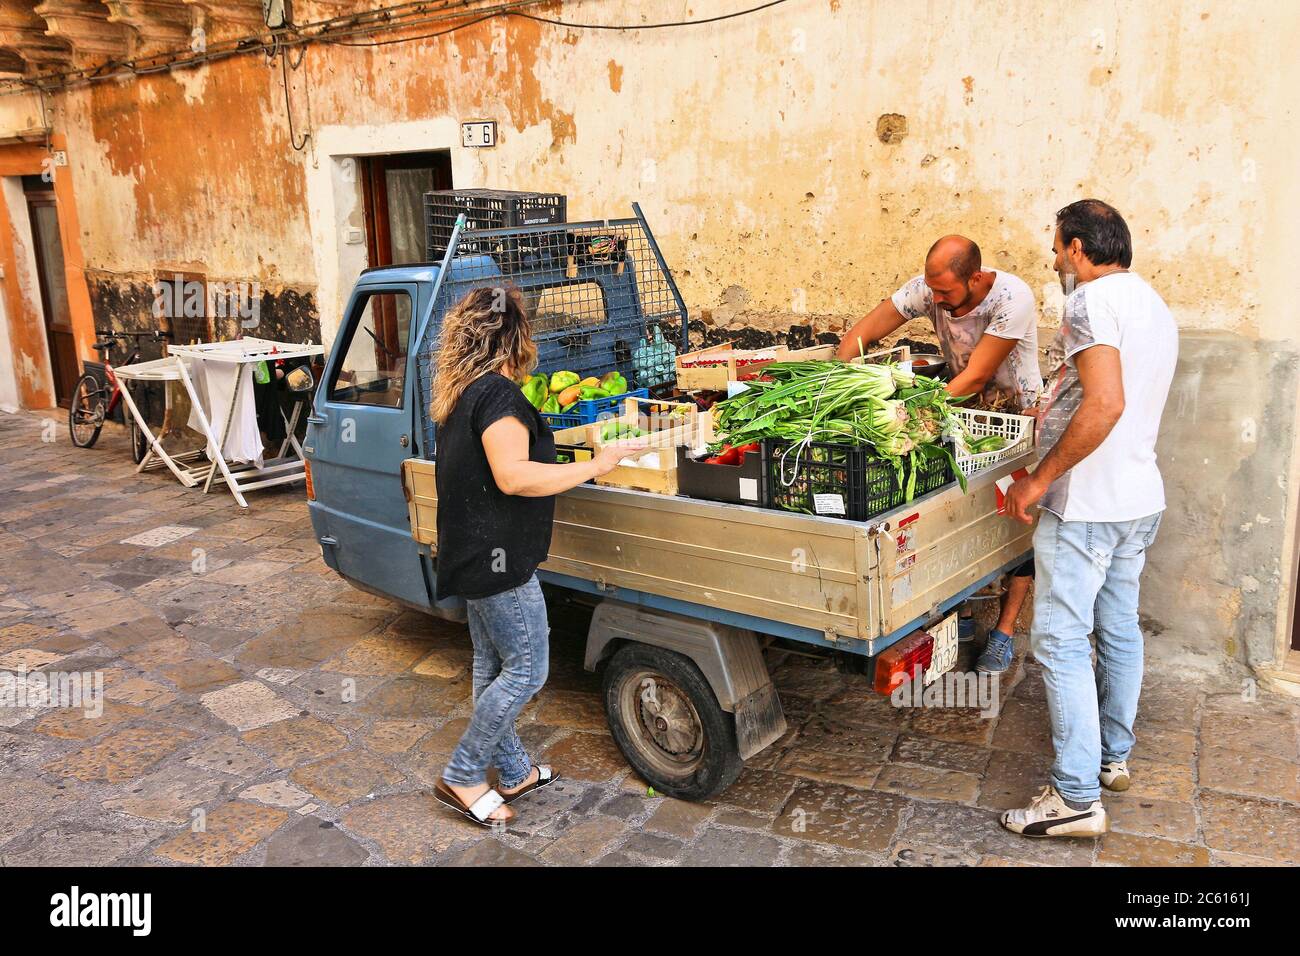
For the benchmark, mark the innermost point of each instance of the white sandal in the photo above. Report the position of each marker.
(545, 777)
(479, 811)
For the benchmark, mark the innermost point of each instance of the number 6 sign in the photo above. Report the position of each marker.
(478, 133)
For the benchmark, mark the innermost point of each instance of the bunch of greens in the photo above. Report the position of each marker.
(902, 416)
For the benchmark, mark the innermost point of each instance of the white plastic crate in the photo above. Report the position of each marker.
(1018, 430)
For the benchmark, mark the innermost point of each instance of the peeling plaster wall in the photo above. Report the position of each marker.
(795, 165)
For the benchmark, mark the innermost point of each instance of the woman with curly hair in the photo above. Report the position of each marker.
(497, 479)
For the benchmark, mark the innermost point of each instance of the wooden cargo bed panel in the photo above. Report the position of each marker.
(828, 575)
(809, 572)
(944, 545)
(803, 573)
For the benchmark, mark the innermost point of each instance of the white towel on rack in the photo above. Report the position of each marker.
(214, 382)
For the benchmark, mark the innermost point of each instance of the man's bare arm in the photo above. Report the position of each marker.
(989, 354)
(1100, 374)
(874, 326)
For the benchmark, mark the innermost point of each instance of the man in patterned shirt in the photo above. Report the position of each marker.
(1101, 498)
(987, 327)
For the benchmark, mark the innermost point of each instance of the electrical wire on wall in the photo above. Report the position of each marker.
(283, 54)
(337, 31)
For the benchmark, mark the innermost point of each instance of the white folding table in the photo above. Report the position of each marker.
(288, 465)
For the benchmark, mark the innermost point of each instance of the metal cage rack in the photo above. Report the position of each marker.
(599, 293)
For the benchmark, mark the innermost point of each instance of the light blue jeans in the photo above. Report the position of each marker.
(1087, 582)
(511, 656)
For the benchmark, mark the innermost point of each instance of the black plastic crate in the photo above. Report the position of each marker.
(847, 477)
(485, 209)
(815, 478)
(884, 493)
(738, 484)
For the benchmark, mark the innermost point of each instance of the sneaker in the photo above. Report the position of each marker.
(1114, 775)
(965, 629)
(997, 654)
(1048, 815)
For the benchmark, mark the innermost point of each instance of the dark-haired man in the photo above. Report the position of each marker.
(987, 327)
(1101, 497)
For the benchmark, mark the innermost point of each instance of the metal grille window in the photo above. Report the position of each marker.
(556, 308)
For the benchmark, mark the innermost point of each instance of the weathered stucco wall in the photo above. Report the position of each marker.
(756, 146)
(795, 165)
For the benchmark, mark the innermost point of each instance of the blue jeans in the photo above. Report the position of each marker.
(511, 657)
(1088, 583)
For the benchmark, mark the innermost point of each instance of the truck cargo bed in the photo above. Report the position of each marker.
(859, 585)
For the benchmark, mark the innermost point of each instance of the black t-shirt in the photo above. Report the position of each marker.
(488, 541)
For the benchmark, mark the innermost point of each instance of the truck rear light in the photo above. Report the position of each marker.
(311, 489)
(904, 661)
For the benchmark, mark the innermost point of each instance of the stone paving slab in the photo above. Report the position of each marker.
(258, 711)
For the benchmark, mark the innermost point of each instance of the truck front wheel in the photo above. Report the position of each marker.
(666, 720)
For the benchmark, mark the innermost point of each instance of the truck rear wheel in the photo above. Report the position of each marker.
(667, 722)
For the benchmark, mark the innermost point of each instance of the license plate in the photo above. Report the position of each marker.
(944, 657)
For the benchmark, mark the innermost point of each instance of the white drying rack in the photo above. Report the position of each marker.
(191, 467)
(286, 467)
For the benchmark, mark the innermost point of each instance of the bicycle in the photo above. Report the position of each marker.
(93, 401)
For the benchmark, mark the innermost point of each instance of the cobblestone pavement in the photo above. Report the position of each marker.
(260, 711)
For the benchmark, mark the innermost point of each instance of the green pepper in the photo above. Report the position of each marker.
(551, 406)
(616, 431)
(590, 392)
(562, 380)
(535, 390)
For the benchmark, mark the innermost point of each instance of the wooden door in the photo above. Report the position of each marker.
(44, 215)
(393, 189)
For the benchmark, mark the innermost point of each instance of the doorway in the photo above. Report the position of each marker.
(393, 188)
(1295, 608)
(43, 211)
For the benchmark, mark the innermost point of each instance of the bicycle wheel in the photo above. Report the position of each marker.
(139, 441)
(86, 411)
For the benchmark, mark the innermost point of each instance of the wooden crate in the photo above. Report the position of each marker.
(661, 480)
(695, 430)
(669, 423)
(715, 377)
(690, 427)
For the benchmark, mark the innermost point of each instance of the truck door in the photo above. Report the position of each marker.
(361, 431)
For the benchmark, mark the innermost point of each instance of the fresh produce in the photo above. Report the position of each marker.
(732, 454)
(899, 414)
(562, 380)
(536, 390)
(620, 431)
(561, 391)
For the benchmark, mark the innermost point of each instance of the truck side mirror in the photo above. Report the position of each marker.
(300, 379)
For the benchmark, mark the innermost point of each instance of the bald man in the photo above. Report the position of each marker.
(988, 333)
(985, 321)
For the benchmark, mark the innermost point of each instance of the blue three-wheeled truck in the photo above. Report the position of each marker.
(686, 592)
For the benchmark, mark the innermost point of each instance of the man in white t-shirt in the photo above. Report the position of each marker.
(987, 327)
(1101, 497)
